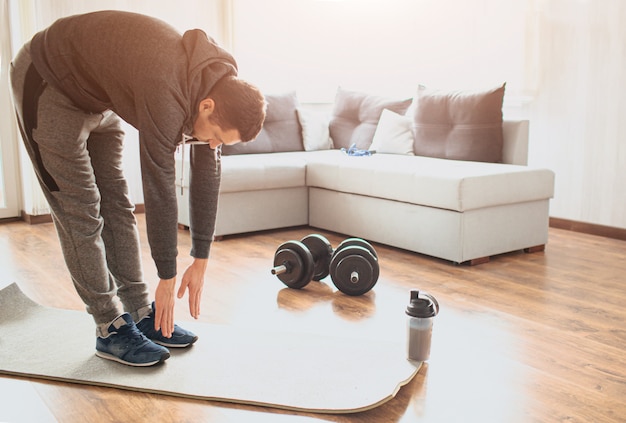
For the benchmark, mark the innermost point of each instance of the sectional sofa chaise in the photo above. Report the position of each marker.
(448, 178)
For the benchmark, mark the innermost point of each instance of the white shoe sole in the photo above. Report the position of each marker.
(111, 357)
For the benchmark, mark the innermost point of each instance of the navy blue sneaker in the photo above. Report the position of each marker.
(181, 338)
(126, 344)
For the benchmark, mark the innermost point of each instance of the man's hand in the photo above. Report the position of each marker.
(193, 279)
(164, 304)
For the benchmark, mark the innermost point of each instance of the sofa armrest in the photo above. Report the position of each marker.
(515, 147)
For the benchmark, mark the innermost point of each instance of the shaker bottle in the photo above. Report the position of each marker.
(421, 311)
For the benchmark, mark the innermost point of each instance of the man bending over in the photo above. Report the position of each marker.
(72, 83)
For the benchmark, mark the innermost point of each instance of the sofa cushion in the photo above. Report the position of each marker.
(244, 172)
(447, 184)
(355, 116)
(315, 132)
(393, 134)
(281, 129)
(459, 125)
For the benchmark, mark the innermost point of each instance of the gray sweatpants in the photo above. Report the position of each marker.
(77, 157)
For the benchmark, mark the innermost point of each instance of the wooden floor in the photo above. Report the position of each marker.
(535, 337)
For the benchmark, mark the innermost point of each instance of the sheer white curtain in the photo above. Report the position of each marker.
(9, 175)
(208, 15)
(30, 16)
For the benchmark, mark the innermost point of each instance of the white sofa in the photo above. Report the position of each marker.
(461, 211)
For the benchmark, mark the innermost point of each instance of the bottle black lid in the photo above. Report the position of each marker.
(424, 305)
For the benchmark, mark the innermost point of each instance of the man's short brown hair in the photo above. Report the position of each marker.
(238, 105)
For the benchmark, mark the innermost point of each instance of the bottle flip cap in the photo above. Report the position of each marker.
(422, 305)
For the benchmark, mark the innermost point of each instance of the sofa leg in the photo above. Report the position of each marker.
(535, 249)
(479, 260)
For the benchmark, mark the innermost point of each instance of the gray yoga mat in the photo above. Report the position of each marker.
(302, 372)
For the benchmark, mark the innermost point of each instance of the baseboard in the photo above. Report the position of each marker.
(36, 219)
(555, 222)
(588, 228)
(47, 218)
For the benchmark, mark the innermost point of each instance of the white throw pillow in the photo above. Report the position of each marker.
(393, 134)
(315, 130)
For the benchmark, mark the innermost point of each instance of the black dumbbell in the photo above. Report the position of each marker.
(354, 267)
(296, 263)
(322, 251)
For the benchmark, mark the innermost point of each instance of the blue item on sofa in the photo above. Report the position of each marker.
(353, 151)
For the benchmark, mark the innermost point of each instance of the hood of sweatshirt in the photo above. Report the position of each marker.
(208, 63)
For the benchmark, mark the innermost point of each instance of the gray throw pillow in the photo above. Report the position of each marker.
(281, 129)
(459, 125)
(355, 116)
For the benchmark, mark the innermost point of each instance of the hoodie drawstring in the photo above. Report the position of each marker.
(184, 141)
(189, 140)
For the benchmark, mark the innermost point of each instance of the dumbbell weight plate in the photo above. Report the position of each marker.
(351, 261)
(357, 242)
(295, 256)
(322, 251)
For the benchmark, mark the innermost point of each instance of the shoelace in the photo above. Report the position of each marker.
(134, 335)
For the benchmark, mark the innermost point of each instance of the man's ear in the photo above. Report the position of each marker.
(207, 106)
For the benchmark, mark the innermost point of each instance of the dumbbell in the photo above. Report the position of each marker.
(322, 252)
(296, 263)
(354, 267)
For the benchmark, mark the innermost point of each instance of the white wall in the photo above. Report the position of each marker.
(564, 62)
(384, 46)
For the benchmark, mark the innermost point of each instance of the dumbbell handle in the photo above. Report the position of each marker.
(278, 270)
(354, 277)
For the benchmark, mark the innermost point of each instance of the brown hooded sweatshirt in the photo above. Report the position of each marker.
(154, 78)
